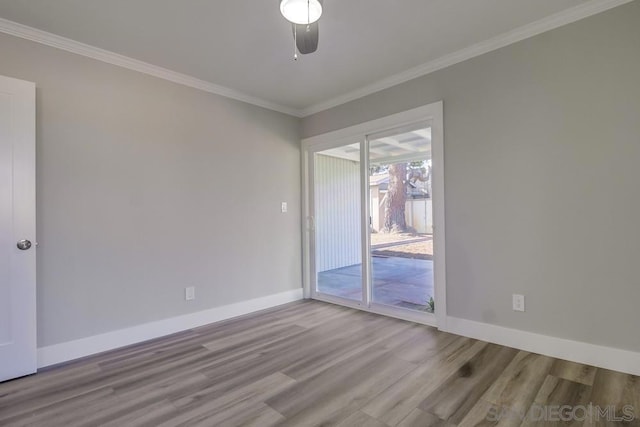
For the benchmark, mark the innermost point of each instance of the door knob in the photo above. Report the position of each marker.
(23, 245)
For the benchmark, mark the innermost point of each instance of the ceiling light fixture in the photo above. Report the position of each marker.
(301, 12)
(304, 16)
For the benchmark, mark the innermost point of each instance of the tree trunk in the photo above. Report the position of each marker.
(394, 216)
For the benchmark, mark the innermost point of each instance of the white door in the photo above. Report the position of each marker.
(17, 229)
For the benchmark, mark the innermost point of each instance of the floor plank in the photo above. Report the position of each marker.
(360, 419)
(308, 364)
(518, 385)
(331, 396)
(576, 372)
(618, 392)
(393, 404)
(239, 407)
(557, 392)
(420, 418)
(455, 398)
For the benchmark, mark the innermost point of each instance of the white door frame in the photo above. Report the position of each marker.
(18, 356)
(433, 114)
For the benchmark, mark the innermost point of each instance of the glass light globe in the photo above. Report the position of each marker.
(301, 11)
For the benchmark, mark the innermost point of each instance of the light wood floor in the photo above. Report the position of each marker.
(303, 364)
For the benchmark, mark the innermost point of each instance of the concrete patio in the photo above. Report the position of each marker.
(399, 282)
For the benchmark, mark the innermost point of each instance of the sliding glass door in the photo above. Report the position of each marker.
(337, 217)
(372, 211)
(401, 225)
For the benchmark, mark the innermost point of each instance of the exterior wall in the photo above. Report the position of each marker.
(376, 211)
(418, 212)
(419, 215)
(337, 213)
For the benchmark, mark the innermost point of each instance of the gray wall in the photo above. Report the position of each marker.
(145, 187)
(542, 176)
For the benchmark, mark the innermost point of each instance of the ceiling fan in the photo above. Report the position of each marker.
(304, 16)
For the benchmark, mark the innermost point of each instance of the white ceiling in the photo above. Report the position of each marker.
(246, 45)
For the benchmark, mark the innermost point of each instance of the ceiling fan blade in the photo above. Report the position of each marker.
(306, 37)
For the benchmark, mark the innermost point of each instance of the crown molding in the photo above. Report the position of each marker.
(69, 45)
(585, 10)
(589, 8)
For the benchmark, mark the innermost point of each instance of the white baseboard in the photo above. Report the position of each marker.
(64, 352)
(575, 351)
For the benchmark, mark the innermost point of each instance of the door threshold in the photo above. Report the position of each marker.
(423, 318)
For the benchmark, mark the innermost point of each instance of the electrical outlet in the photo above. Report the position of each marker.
(189, 293)
(518, 302)
(283, 207)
